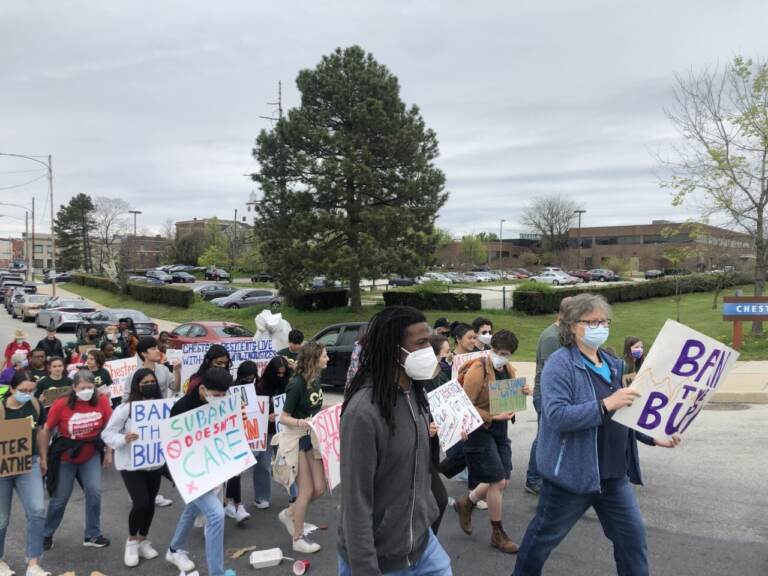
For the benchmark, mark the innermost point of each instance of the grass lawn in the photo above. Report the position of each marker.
(642, 319)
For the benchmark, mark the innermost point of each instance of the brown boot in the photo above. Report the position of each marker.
(500, 540)
(464, 507)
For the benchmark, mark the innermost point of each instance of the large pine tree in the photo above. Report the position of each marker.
(350, 187)
(74, 225)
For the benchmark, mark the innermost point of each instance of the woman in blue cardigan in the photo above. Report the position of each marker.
(584, 457)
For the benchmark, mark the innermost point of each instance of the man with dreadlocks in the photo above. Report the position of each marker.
(386, 503)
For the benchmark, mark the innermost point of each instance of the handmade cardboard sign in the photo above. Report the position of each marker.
(259, 351)
(146, 416)
(54, 393)
(255, 415)
(327, 428)
(206, 447)
(460, 359)
(453, 412)
(682, 372)
(15, 447)
(121, 372)
(507, 396)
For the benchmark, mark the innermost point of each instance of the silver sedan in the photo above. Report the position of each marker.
(62, 313)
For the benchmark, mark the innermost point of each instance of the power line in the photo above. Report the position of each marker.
(18, 171)
(25, 183)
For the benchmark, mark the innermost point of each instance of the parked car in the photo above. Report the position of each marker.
(249, 297)
(197, 332)
(262, 277)
(182, 277)
(521, 273)
(479, 276)
(583, 274)
(111, 316)
(8, 286)
(651, 274)
(62, 313)
(552, 269)
(28, 306)
(458, 277)
(339, 341)
(30, 287)
(160, 275)
(179, 268)
(217, 274)
(15, 296)
(210, 291)
(60, 278)
(146, 280)
(402, 281)
(435, 277)
(604, 275)
(555, 278)
(10, 276)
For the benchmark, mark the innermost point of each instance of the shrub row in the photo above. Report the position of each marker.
(539, 300)
(433, 300)
(181, 296)
(323, 299)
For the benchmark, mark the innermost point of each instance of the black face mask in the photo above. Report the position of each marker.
(149, 390)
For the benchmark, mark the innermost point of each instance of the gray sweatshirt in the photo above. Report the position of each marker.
(387, 506)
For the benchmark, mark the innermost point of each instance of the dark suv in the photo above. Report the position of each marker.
(603, 275)
(339, 341)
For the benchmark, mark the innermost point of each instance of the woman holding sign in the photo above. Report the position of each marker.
(55, 379)
(142, 485)
(303, 399)
(584, 457)
(488, 450)
(21, 404)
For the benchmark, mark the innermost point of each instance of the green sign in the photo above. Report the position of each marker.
(507, 396)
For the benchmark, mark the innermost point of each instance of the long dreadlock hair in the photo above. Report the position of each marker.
(380, 361)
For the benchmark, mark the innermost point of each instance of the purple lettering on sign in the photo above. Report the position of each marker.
(650, 417)
(692, 351)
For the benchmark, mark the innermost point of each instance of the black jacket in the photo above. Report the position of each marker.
(51, 347)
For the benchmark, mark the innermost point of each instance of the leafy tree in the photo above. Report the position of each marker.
(217, 251)
(720, 166)
(551, 217)
(473, 250)
(487, 236)
(74, 225)
(187, 248)
(349, 182)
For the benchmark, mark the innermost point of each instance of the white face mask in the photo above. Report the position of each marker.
(421, 364)
(498, 361)
(485, 338)
(85, 395)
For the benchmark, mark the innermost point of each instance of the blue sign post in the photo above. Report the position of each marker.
(738, 309)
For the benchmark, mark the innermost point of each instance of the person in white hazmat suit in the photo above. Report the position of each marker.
(269, 325)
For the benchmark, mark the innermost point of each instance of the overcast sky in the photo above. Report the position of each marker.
(158, 102)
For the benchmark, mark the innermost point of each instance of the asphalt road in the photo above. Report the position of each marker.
(705, 505)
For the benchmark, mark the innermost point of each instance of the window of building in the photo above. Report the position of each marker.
(607, 240)
(629, 239)
(653, 239)
(38, 249)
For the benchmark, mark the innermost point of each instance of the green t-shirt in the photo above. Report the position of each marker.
(38, 375)
(44, 383)
(101, 378)
(288, 354)
(302, 401)
(27, 411)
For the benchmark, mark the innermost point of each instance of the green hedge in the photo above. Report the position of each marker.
(95, 282)
(535, 300)
(181, 296)
(323, 299)
(433, 300)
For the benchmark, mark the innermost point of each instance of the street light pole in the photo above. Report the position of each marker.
(501, 245)
(133, 257)
(28, 250)
(579, 212)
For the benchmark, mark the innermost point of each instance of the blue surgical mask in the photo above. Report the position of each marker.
(22, 397)
(637, 353)
(595, 337)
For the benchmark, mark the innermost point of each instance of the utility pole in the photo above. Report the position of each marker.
(53, 235)
(29, 251)
(133, 257)
(32, 271)
(234, 244)
(501, 245)
(279, 104)
(579, 212)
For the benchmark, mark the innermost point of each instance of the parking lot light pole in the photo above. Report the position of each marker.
(501, 245)
(133, 256)
(579, 212)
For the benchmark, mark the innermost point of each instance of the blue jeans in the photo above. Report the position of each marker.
(433, 562)
(559, 510)
(29, 487)
(89, 473)
(209, 506)
(532, 477)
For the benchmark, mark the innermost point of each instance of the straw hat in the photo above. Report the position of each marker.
(20, 334)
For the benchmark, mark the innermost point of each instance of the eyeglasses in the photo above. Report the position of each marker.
(596, 323)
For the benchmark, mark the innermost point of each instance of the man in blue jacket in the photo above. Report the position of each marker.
(584, 457)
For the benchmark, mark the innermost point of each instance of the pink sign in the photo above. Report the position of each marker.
(326, 425)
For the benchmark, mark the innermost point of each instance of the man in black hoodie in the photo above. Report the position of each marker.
(51, 345)
(387, 505)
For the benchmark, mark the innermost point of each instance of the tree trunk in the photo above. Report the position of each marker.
(355, 301)
(760, 261)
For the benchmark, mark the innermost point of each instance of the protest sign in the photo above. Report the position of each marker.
(277, 402)
(121, 372)
(206, 447)
(54, 393)
(326, 425)
(255, 415)
(507, 396)
(460, 359)
(259, 351)
(679, 376)
(453, 412)
(147, 450)
(173, 354)
(15, 447)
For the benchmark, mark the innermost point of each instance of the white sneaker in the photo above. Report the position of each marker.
(481, 505)
(131, 557)
(162, 501)
(200, 521)
(146, 551)
(180, 559)
(261, 504)
(285, 518)
(37, 570)
(451, 501)
(242, 514)
(305, 546)
(5, 570)
(230, 510)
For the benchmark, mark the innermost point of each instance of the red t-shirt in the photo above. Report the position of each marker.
(11, 349)
(83, 422)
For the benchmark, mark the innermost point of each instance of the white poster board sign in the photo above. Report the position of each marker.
(327, 427)
(453, 413)
(680, 375)
(206, 447)
(259, 351)
(146, 416)
(278, 402)
(121, 372)
(460, 359)
(255, 415)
